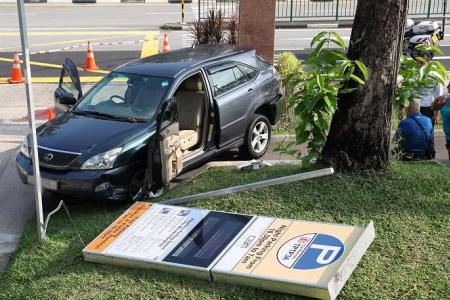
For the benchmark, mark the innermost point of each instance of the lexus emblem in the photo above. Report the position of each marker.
(48, 156)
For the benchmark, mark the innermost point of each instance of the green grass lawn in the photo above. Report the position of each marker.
(409, 203)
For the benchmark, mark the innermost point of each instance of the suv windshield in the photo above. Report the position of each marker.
(125, 96)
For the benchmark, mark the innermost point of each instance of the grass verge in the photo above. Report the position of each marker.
(409, 203)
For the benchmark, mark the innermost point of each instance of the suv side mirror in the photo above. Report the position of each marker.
(68, 99)
(65, 97)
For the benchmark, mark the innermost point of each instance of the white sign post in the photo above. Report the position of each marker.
(32, 121)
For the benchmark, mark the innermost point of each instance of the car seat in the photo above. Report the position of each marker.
(190, 100)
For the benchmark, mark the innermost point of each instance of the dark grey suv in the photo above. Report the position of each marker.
(153, 118)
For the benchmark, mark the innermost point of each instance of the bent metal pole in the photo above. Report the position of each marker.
(32, 121)
(250, 186)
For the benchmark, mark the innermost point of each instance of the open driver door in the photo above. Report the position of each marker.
(69, 88)
(169, 144)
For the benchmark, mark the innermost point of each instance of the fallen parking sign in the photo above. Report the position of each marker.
(297, 257)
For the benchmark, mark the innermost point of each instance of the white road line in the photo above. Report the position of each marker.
(116, 29)
(187, 40)
(172, 13)
(15, 14)
(441, 57)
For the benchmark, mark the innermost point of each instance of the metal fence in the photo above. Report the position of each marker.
(294, 10)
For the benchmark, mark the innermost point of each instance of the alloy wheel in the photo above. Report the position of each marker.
(260, 137)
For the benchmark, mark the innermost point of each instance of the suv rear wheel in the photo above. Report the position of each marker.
(257, 138)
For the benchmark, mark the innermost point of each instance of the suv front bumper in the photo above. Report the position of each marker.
(111, 184)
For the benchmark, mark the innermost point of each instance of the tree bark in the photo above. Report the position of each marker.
(360, 132)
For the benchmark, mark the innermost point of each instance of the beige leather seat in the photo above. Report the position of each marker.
(190, 99)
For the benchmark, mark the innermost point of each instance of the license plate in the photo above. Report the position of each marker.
(47, 184)
(434, 38)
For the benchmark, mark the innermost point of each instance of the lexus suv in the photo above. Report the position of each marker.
(153, 118)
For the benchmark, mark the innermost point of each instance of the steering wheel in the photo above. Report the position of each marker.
(117, 96)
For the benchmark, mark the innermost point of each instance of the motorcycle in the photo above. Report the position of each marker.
(422, 33)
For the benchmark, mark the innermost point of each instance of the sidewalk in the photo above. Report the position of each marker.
(16, 200)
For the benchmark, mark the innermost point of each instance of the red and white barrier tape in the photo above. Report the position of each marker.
(85, 45)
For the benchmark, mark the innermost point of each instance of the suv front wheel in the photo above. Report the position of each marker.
(257, 138)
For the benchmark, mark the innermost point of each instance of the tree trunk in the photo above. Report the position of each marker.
(360, 133)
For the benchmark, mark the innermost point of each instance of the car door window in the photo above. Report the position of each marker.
(251, 73)
(223, 81)
(67, 84)
(240, 77)
(169, 116)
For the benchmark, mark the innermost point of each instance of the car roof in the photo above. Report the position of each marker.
(170, 64)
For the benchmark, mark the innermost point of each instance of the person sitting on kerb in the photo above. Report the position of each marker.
(415, 135)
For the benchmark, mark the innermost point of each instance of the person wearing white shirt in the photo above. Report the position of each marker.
(428, 95)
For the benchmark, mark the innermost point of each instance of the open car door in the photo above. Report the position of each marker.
(169, 143)
(69, 88)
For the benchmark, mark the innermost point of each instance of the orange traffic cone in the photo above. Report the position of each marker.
(90, 60)
(16, 73)
(50, 114)
(166, 46)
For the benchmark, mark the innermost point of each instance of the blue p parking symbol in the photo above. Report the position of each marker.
(322, 251)
(310, 251)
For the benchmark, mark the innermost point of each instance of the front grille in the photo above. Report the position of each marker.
(55, 159)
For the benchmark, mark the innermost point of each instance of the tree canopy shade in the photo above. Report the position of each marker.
(360, 132)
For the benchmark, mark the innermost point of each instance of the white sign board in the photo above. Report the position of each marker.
(296, 257)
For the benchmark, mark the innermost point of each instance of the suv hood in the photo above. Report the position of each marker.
(88, 134)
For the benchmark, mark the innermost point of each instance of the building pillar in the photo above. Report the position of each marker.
(257, 26)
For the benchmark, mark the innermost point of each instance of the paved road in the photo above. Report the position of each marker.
(109, 57)
(53, 27)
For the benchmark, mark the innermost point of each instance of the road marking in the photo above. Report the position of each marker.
(68, 42)
(54, 33)
(71, 28)
(187, 40)
(83, 79)
(41, 64)
(151, 44)
(441, 57)
(15, 14)
(172, 13)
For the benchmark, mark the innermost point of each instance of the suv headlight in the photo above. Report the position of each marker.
(102, 161)
(24, 148)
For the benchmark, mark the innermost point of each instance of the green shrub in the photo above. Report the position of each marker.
(291, 72)
(327, 74)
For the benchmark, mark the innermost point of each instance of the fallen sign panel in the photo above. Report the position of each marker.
(296, 257)
(178, 239)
